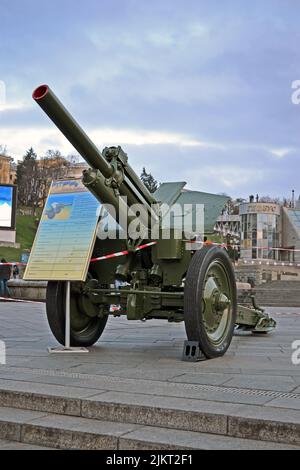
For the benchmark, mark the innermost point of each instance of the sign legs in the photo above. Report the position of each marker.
(67, 347)
(68, 322)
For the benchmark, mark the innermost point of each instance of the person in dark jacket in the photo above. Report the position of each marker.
(5, 273)
(16, 271)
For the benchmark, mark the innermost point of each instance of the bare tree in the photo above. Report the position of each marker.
(34, 177)
(52, 167)
(269, 199)
(51, 153)
(3, 150)
(74, 158)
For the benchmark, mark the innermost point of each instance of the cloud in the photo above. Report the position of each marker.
(230, 178)
(44, 138)
(208, 166)
(193, 90)
(281, 152)
(11, 107)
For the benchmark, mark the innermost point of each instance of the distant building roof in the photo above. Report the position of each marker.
(6, 157)
(171, 193)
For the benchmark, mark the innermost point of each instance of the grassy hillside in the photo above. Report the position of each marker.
(26, 228)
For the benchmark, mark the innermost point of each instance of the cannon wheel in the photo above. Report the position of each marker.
(86, 327)
(210, 306)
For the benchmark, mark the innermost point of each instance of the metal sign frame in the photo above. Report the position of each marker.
(13, 221)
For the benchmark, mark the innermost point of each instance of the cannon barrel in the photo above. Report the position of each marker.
(110, 174)
(56, 111)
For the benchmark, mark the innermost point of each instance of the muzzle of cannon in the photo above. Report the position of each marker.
(176, 279)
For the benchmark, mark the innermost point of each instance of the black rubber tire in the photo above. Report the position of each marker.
(55, 309)
(193, 289)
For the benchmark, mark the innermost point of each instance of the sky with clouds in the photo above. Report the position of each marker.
(194, 90)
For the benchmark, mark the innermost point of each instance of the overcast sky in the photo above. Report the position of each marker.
(198, 91)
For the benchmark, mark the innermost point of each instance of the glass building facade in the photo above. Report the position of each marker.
(260, 227)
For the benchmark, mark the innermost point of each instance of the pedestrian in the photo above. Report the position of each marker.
(5, 274)
(16, 271)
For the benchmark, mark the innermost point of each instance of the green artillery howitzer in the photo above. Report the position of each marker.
(177, 278)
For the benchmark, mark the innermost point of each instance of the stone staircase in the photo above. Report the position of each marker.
(279, 294)
(36, 421)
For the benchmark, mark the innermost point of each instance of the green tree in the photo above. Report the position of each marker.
(149, 181)
(27, 171)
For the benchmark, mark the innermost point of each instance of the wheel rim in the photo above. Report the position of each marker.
(217, 301)
(83, 314)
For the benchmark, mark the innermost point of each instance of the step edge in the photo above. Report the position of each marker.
(117, 442)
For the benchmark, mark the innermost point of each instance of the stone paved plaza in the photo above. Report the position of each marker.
(144, 357)
(139, 362)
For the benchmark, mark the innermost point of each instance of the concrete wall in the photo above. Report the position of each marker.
(264, 273)
(244, 272)
(27, 290)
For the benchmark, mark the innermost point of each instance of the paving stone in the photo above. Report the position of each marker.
(202, 378)
(47, 389)
(153, 411)
(163, 439)
(13, 445)
(262, 382)
(39, 402)
(92, 385)
(65, 432)
(144, 360)
(265, 431)
(11, 421)
(291, 403)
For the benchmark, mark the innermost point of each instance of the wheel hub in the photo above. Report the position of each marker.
(222, 302)
(216, 302)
